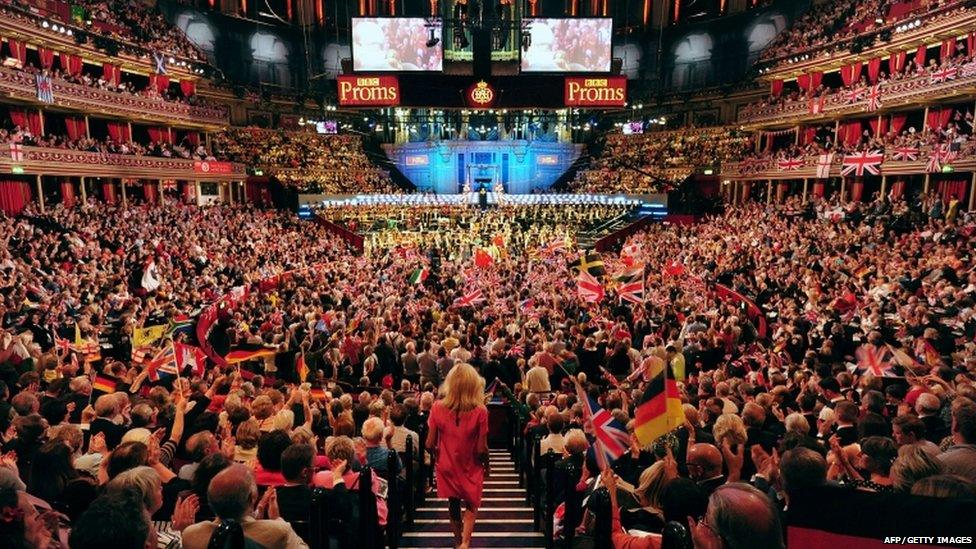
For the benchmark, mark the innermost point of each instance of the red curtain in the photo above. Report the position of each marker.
(775, 88)
(920, 55)
(970, 42)
(67, 192)
(18, 50)
(189, 87)
(850, 74)
(189, 192)
(76, 127)
(948, 48)
(746, 190)
(818, 189)
(938, 118)
(897, 190)
(14, 196)
(809, 135)
(857, 189)
(803, 81)
(111, 73)
(874, 69)
(157, 134)
(160, 82)
(70, 64)
(952, 189)
(108, 192)
(119, 132)
(193, 138)
(896, 63)
(815, 79)
(29, 120)
(46, 56)
(879, 127)
(150, 191)
(898, 122)
(781, 191)
(849, 132)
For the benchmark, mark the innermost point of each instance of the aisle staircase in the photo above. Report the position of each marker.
(504, 519)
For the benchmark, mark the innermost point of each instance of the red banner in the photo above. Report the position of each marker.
(369, 91)
(596, 92)
(213, 167)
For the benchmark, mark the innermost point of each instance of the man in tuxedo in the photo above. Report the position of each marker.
(845, 426)
(705, 467)
(295, 495)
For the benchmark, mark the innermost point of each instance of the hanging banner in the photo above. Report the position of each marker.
(213, 167)
(596, 92)
(369, 91)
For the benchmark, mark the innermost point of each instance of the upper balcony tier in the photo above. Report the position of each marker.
(68, 162)
(22, 86)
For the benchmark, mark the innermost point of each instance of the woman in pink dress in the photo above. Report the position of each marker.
(458, 436)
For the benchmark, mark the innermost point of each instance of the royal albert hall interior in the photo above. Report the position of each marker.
(561, 274)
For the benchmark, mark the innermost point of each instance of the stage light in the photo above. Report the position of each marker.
(45, 24)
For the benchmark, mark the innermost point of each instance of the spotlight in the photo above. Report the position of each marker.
(45, 24)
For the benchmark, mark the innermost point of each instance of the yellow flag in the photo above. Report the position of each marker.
(148, 335)
(78, 340)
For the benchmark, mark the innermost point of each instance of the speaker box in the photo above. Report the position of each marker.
(481, 52)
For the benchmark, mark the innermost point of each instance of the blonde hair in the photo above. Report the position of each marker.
(651, 485)
(464, 389)
(248, 433)
(729, 426)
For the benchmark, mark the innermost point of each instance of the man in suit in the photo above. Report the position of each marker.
(705, 467)
(295, 495)
(845, 427)
(927, 407)
(233, 496)
(109, 419)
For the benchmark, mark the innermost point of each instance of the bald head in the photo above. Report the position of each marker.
(232, 492)
(744, 517)
(704, 461)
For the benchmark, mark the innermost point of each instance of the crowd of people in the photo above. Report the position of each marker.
(777, 397)
(162, 149)
(309, 161)
(139, 29)
(829, 26)
(643, 163)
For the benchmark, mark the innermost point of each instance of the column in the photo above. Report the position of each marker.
(243, 191)
(884, 185)
(196, 195)
(925, 187)
(972, 193)
(230, 193)
(40, 192)
(40, 113)
(925, 123)
(806, 181)
(125, 201)
(836, 131)
(84, 191)
(160, 197)
(769, 191)
(87, 128)
(843, 190)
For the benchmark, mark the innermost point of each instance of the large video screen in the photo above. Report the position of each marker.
(567, 45)
(393, 44)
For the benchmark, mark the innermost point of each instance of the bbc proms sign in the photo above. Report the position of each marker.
(608, 91)
(369, 91)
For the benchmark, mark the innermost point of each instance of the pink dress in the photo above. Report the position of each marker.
(460, 473)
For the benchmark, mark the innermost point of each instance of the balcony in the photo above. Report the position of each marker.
(22, 86)
(769, 168)
(894, 94)
(67, 162)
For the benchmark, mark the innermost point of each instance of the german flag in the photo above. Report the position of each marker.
(301, 368)
(104, 383)
(249, 351)
(591, 263)
(660, 410)
(317, 393)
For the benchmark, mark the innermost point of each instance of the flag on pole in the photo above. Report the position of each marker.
(188, 355)
(611, 439)
(163, 363)
(45, 90)
(470, 299)
(150, 277)
(871, 359)
(659, 411)
(248, 351)
(589, 288)
(148, 335)
(418, 276)
(591, 263)
(104, 383)
(632, 291)
(301, 368)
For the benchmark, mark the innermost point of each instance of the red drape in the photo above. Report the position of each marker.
(850, 132)
(970, 42)
(108, 192)
(897, 190)
(160, 82)
(857, 189)
(14, 196)
(189, 192)
(898, 122)
(189, 87)
(193, 138)
(920, 55)
(803, 81)
(775, 88)
(67, 192)
(815, 79)
(75, 126)
(111, 73)
(809, 135)
(952, 189)
(18, 49)
(850, 74)
(70, 64)
(878, 127)
(948, 48)
(47, 57)
(938, 118)
(158, 135)
(119, 132)
(29, 120)
(781, 191)
(874, 69)
(746, 190)
(896, 63)
(818, 189)
(150, 191)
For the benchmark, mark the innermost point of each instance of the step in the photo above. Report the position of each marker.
(488, 509)
(508, 525)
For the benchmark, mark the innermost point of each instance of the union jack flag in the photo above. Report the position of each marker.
(589, 288)
(940, 155)
(790, 164)
(906, 153)
(163, 363)
(470, 299)
(611, 437)
(872, 360)
(865, 161)
(874, 98)
(943, 74)
(855, 95)
(632, 291)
